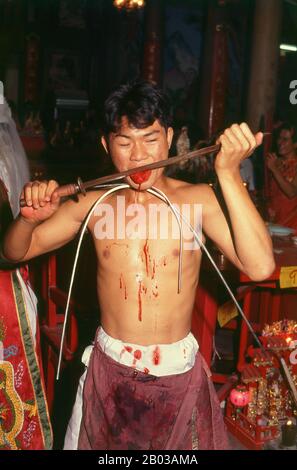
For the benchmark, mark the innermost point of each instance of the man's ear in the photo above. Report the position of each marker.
(104, 143)
(170, 133)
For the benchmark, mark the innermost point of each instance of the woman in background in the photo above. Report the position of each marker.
(283, 185)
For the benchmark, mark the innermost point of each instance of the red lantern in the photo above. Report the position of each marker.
(240, 396)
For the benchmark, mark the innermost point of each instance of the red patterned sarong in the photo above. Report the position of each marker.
(124, 408)
(24, 419)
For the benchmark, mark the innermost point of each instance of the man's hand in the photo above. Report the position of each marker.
(237, 143)
(42, 201)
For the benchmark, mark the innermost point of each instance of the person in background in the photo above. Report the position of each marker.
(283, 184)
(247, 174)
(24, 419)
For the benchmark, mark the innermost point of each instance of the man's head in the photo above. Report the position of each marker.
(137, 129)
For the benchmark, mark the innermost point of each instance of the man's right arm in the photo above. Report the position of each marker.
(43, 224)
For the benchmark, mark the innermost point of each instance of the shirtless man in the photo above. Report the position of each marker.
(146, 386)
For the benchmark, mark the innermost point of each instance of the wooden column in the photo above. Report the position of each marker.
(264, 63)
(152, 53)
(213, 85)
(31, 81)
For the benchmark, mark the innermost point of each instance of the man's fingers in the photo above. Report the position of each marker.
(42, 190)
(247, 138)
(35, 194)
(240, 138)
(55, 197)
(51, 186)
(233, 138)
(28, 194)
(259, 138)
(251, 138)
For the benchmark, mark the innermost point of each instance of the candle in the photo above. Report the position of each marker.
(289, 434)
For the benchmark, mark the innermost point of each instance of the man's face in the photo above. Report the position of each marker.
(131, 148)
(285, 143)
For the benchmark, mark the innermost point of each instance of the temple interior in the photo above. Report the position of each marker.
(220, 62)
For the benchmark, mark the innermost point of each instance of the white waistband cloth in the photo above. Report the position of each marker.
(155, 359)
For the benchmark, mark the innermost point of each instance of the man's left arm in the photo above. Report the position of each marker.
(247, 242)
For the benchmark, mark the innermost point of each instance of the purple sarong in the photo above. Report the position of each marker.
(127, 409)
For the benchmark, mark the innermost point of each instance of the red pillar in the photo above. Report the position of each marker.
(214, 71)
(152, 54)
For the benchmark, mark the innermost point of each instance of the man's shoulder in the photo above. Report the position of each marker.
(190, 191)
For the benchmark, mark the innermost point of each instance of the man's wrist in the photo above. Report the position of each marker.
(229, 174)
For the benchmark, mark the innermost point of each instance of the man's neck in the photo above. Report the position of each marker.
(142, 197)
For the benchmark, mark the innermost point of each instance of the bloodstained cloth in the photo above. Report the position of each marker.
(124, 408)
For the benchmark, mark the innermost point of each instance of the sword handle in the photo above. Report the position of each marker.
(65, 190)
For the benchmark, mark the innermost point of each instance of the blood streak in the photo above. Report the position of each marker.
(156, 356)
(139, 302)
(123, 285)
(154, 269)
(146, 370)
(146, 254)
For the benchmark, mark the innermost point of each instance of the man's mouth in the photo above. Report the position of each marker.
(141, 176)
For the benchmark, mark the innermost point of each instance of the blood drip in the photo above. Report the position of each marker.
(123, 285)
(128, 349)
(139, 303)
(146, 370)
(141, 176)
(154, 269)
(146, 254)
(137, 354)
(156, 356)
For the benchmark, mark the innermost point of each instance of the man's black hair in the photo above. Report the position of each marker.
(141, 102)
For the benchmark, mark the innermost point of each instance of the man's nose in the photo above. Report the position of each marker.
(138, 152)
